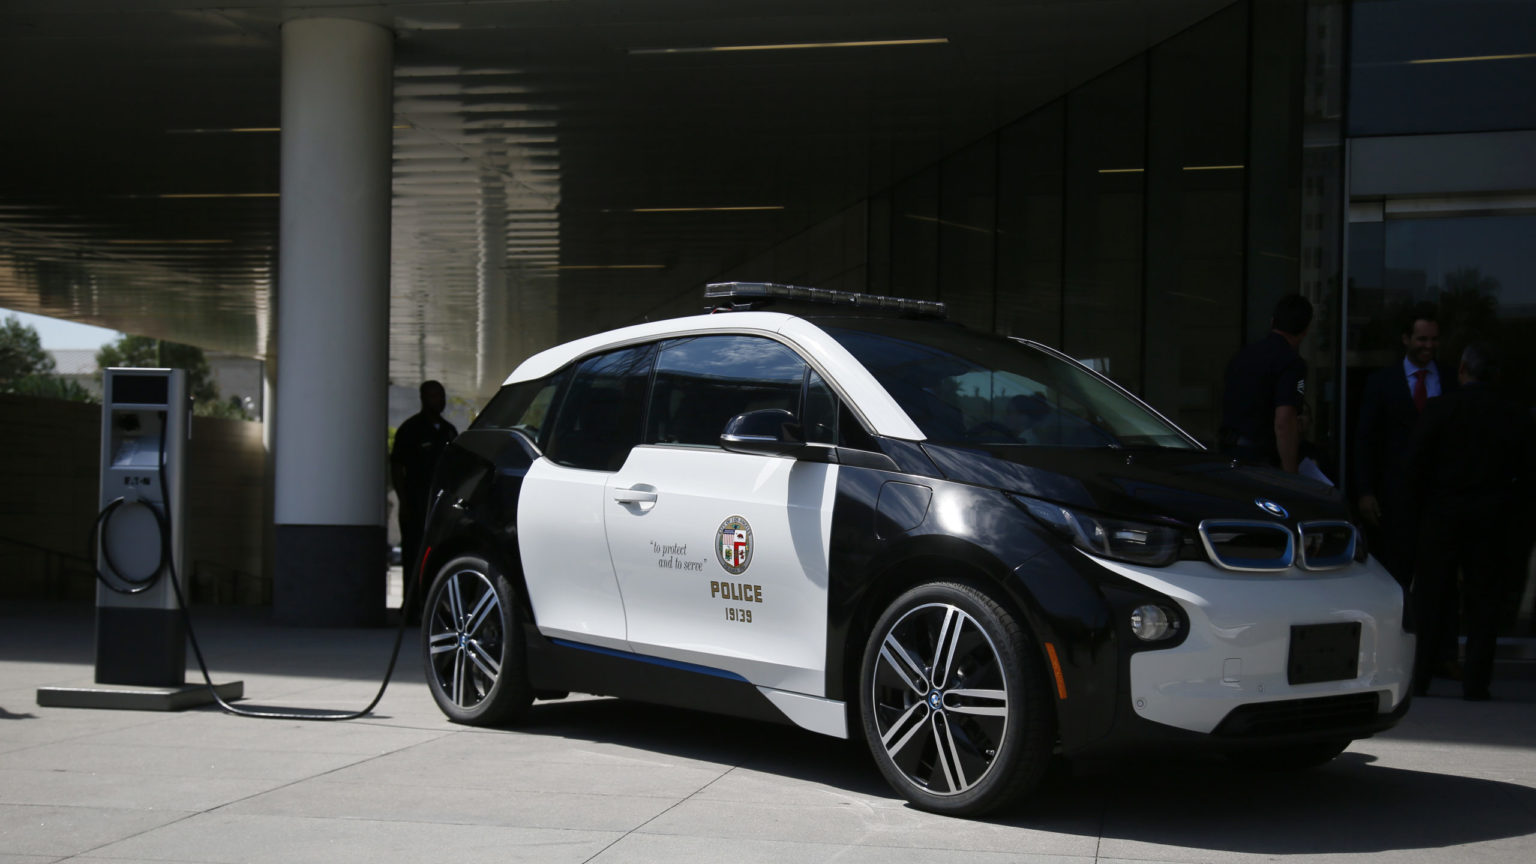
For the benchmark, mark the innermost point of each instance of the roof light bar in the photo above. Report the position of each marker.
(747, 292)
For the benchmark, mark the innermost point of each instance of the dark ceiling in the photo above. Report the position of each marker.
(542, 148)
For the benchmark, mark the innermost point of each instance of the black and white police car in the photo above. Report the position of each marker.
(863, 520)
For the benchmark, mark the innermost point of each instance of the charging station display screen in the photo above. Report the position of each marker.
(141, 390)
(137, 453)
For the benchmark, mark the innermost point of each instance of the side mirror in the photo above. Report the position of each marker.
(771, 432)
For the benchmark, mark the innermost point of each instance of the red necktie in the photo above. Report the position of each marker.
(1420, 389)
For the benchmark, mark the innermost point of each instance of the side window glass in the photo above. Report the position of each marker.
(704, 381)
(819, 419)
(850, 432)
(523, 406)
(826, 420)
(603, 410)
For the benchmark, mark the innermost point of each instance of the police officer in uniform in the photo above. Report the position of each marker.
(419, 442)
(1265, 385)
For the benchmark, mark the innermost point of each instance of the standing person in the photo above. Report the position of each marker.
(419, 442)
(1393, 399)
(1265, 385)
(1467, 453)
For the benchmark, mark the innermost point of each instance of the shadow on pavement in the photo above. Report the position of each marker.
(1351, 805)
(236, 641)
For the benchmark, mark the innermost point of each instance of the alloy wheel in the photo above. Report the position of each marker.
(466, 637)
(940, 698)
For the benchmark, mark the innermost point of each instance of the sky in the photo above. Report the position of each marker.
(56, 333)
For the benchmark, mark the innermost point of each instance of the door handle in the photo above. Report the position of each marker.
(634, 496)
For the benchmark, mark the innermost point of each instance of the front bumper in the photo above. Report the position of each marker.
(1229, 677)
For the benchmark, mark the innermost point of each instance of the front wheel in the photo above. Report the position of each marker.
(472, 640)
(954, 701)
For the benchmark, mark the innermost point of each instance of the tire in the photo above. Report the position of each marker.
(1289, 757)
(472, 645)
(958, 750)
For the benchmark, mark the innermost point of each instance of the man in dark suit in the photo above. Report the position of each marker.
(1393, 399)
(1467, 454)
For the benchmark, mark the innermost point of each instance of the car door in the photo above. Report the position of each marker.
(722, 557)
(561, 509)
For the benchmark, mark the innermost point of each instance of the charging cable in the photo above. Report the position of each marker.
(167, 565)
(129, 585)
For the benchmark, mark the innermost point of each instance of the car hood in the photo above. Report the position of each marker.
(1148, 484)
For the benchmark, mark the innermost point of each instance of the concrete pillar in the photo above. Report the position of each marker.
(333, 317)
(491, 336)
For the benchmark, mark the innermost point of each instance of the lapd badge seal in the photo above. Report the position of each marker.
(733, 545)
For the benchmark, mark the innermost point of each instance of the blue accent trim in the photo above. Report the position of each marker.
(655, 661)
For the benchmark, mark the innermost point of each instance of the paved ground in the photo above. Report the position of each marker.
(605, 781)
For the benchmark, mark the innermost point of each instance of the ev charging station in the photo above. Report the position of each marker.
(140, 545)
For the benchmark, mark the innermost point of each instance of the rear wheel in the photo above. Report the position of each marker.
(954, 701)
(472, 639)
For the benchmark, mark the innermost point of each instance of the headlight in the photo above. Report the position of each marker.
(1151, 623)
(1120, 539)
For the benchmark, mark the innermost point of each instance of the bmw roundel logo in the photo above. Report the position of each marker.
(1271, 508)
(935, 700)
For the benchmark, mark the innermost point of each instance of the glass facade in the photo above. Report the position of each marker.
(1146, 221)
(1478, 268)
(1118, 222)
(1442, 66)
(1427, 228)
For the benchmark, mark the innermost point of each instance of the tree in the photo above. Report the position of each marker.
(142, 352)
(50, 387)
(21, 353)
(27, 370)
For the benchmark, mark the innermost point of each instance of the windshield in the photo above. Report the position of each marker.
(964, 387)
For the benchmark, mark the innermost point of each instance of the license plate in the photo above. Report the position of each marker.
(1324, 652)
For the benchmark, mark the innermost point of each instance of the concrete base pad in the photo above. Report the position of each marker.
(133, 698)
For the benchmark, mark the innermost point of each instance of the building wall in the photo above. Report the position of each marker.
(50, 452)
(1442, 130)
(1145, 222)
(1442, 202)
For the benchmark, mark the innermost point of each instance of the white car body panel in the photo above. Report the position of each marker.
(562, 541)
(824, 716)
(677, 593)
(1237, 648)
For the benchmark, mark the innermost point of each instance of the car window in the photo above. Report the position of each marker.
(819, 418)
(704, 381)
(964, 387)
(601, 415)
(523, 406)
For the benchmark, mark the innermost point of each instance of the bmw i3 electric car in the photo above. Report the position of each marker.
(973, 552)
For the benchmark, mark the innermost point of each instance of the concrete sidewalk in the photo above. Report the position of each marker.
(606, 781)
